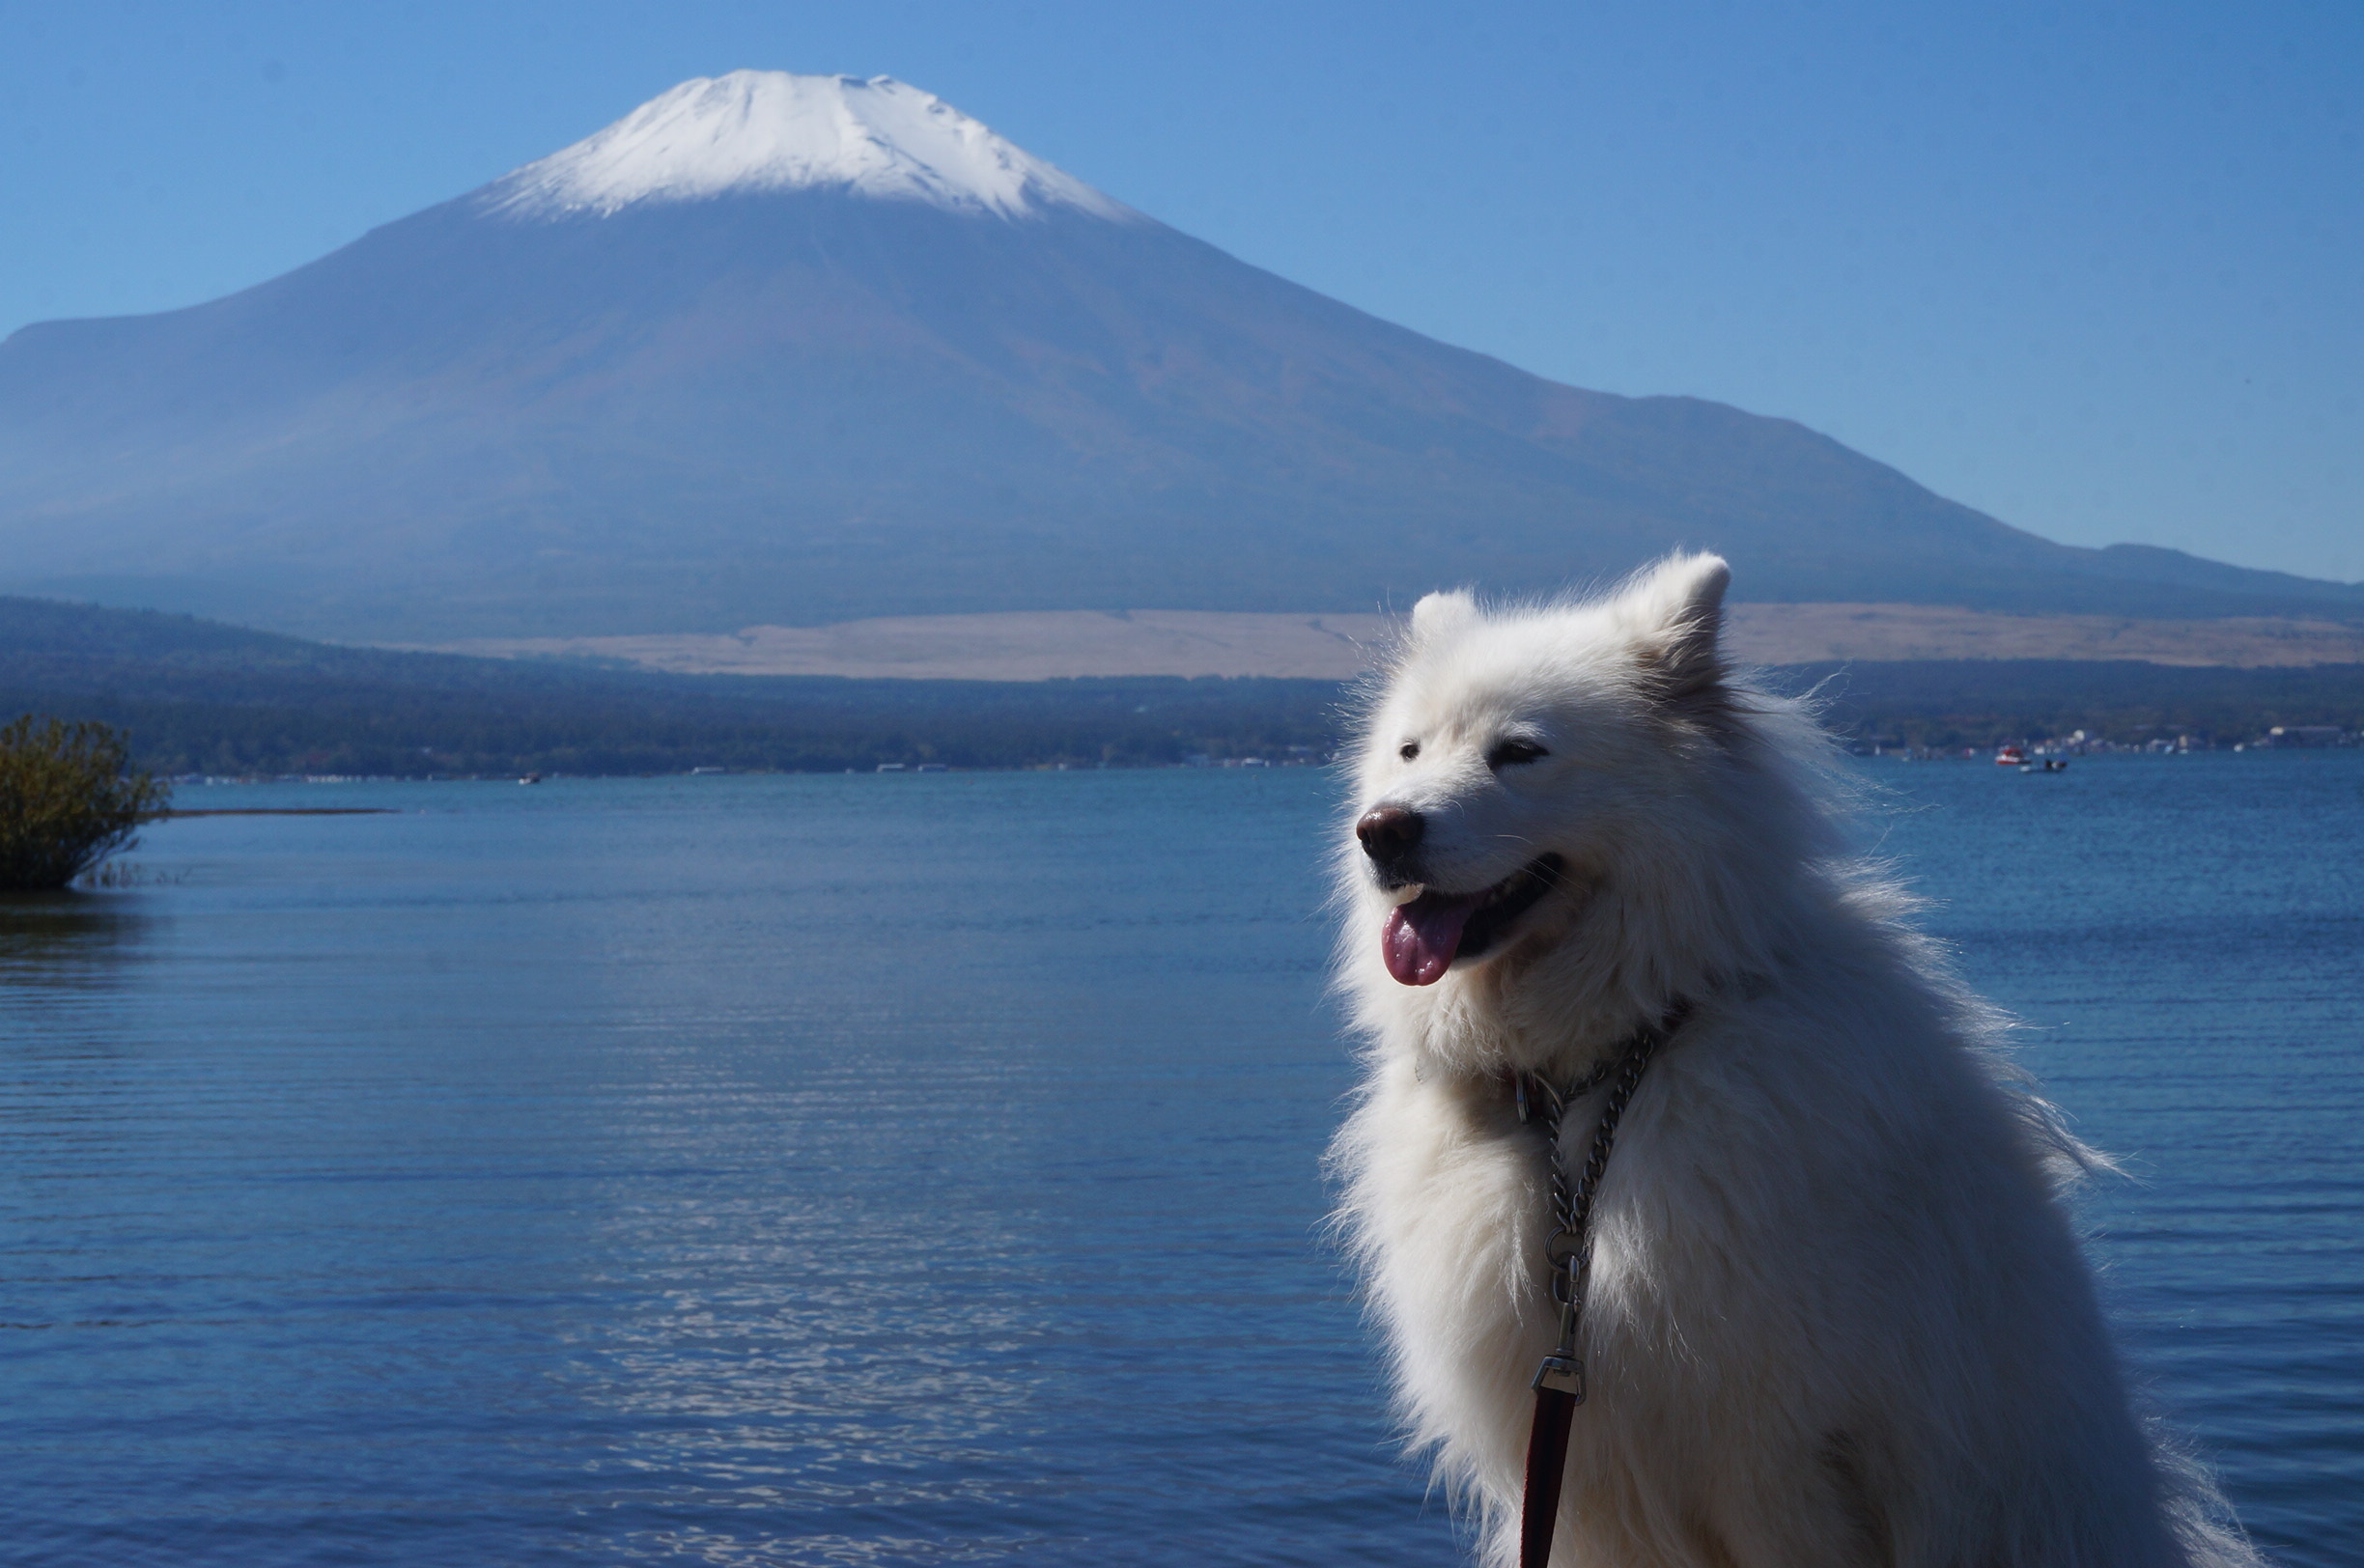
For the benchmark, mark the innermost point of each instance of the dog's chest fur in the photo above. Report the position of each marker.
(1696, 1411)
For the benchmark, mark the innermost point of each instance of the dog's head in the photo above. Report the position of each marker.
(1534, 778)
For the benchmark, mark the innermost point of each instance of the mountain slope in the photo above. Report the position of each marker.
(795, 349)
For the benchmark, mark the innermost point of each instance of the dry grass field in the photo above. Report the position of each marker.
(1050, 645)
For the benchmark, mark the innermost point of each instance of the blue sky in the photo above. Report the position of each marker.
(2097, 270)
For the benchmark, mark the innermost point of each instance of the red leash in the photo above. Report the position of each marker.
(1547, 1442)
(1559, 1382)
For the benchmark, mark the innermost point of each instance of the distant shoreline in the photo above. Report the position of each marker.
(200, 698)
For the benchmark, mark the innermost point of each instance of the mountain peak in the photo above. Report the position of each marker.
(770, 130)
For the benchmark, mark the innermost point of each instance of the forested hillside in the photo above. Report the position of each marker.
(200, 697)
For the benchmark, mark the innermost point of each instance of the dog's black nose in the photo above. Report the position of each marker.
(1389, 834)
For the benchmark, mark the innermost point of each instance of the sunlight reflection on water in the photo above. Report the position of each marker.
(744, 1170)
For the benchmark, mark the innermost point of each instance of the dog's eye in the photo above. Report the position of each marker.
(1408, 750)
(1511, 753)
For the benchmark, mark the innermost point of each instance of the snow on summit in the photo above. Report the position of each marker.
(768, 130)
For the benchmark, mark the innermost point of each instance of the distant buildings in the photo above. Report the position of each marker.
(2305, 734)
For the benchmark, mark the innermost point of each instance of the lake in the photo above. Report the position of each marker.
(923, 1168)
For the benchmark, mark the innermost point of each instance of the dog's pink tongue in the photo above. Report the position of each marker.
(1423, 936)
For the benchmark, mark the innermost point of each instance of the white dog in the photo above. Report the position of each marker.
(1835, 1313)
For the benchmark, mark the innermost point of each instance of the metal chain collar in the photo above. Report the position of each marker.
(1568, 1248)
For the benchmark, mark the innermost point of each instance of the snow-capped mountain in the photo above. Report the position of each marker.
(768, 131)
(801, 348)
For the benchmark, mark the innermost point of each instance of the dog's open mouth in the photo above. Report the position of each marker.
(1425, 934)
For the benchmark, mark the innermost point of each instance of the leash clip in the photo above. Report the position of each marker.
(1562, 1371)
(1561, 1375)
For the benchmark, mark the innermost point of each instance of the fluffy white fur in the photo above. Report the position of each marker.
(1837, 1315)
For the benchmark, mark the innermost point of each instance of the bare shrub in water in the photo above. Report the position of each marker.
(68, 798)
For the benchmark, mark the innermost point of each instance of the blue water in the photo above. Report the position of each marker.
(923, 1168)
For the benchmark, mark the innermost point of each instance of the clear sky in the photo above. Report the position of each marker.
(2095, 269)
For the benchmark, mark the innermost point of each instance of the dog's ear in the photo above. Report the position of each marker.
(1437, 614)
(1674, 611)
